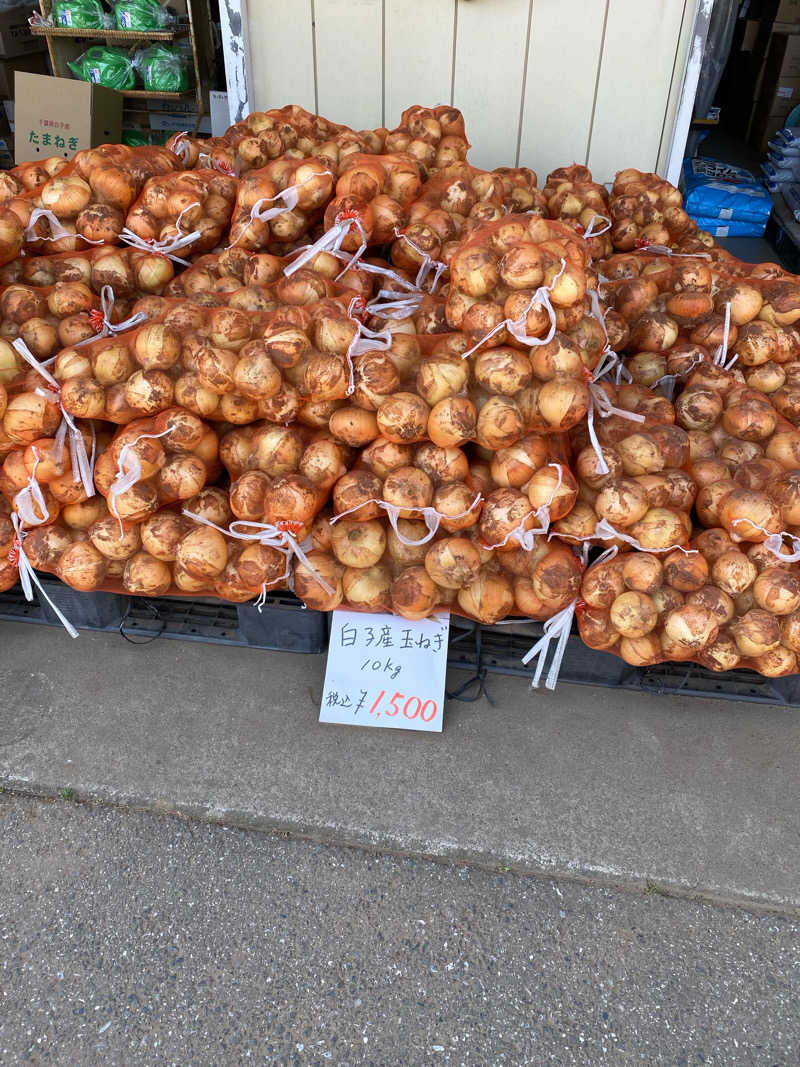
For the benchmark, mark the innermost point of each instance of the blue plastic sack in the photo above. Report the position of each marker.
(716, 190)
(731, 227)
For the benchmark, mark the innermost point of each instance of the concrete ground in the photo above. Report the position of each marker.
(698, 796)
(132, 939)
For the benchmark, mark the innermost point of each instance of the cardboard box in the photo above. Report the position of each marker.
(16, 38)
(783, 57)
(782, 98)
(33, 64)
(59, 116)
(788, 11)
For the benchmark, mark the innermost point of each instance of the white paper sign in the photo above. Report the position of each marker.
(385, 671)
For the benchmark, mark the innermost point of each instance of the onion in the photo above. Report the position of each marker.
(408, 488)
(354, 426)
(662, 528)
(720, 655)
(82, 566)
(777, 590)
(145, 575)
(452, 422)
(756, 632)
(307, 586)
(202, 553)
(504, 511)
(685, 572)
(622, 502)
(640, 651)
(556, 578)
(603, 583)
(249, 495)
(563, 402)
(514, 466)
(409, 555)
(453, 562)
(403, 418)
(383, 456)
(500, 423)
(691, 626)
(277, 450)
(368, 588)
(106, 537)
(488, 599)
(358, 489)
(160, 534)
(713, 544)
(778, 661)
(595, 628)
(748, 515)
(413, 593)
(717, 602)
(554, 487)
(503, 371)
(455, 503)
(641, 572)
(45, 545)
(358, 544)
(633, 614)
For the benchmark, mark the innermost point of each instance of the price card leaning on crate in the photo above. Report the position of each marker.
(386, 671)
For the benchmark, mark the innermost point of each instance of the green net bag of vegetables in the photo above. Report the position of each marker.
(141, 15)
(105, 66)
(163, 69)
(135, 138)
(80, 14)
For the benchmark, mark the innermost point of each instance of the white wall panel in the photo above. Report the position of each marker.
(349, 48)
(633, 89)
(540, 82)
(419, 54)
(281, 54)
(559, 89)
(491, 38)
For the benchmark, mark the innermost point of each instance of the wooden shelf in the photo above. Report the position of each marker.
(148, 94)
(108, 35)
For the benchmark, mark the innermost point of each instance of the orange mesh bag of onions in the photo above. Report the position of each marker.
(520, 190)
(129, 271)
(86, 202)
(518, 279)
(435, 136)
(678, 312)
(278, 204)
(221, 363)
(150, 463)
(47, 319)
(27, 176)
(635, 487)
(718, 604)
(572, 196)
(174, 551)
(745, 458)
(449, 207)
(189, 211)
(265, 135)
(646, 210)
(45, 473)
(372, 198)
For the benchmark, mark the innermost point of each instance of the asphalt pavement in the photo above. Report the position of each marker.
(128, 938)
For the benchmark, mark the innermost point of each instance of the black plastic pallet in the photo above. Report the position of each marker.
(285, 625)
(498, 651)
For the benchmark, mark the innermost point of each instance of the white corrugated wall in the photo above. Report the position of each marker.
(540, 82)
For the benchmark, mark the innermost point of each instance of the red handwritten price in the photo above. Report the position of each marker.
(412, 707)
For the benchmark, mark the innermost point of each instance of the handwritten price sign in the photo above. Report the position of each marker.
(385, 671)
